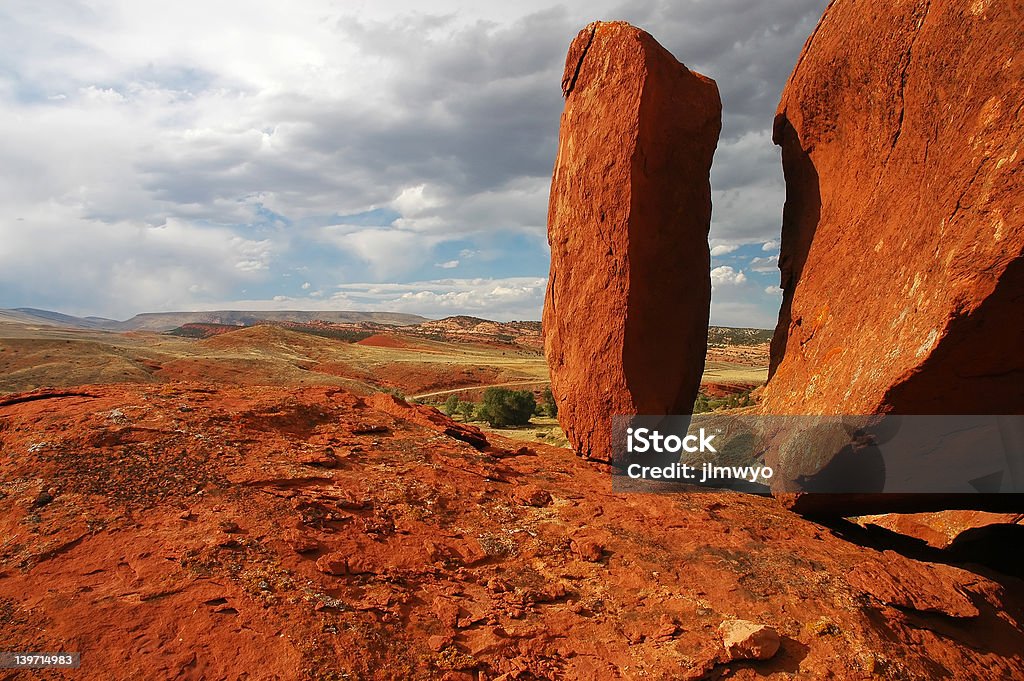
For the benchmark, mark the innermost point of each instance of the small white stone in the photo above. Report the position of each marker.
(745, 640)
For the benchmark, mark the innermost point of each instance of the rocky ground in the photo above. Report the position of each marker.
(181, 531)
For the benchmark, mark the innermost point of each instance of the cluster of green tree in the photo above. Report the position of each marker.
(347, 335)
(740, 399)
(453, 406)
(208, 329)
(202, 330)
(547, 404)
(501, 407)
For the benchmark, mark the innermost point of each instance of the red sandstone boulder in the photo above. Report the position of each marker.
(903, 231)
(626, 311)
(942, 529)
(429, 417)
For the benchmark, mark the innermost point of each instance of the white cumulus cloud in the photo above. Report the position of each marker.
(767, 264)
(723, 249)
(502, 299)
(724, 275)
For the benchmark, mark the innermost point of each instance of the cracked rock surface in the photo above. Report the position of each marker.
(626, 309)
(196, 532)
(903, 231)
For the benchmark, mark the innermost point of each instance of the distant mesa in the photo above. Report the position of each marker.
(475, 329)
(513, 335)
(166, 321)
(33, 316)
(626, 310)
(458, 321)
(727, 335)
(208, 324)
(389, 329)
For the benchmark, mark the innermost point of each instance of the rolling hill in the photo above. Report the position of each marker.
(165, 321)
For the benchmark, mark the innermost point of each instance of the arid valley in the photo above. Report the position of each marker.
(425, 361)
(260, 499)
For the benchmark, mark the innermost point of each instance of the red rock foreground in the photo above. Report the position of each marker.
(626, 311)
(194, 533)
(903, 233)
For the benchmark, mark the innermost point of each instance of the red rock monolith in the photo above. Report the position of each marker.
(626, 311)
(903, 228)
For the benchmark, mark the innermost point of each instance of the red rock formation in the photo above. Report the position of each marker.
(192, 532)
(626, 311)
(429, 417)
(902, 269)
(944, 528)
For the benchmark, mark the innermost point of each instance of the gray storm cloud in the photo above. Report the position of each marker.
(240, 133)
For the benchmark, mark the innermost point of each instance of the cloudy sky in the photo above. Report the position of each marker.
(342, 154)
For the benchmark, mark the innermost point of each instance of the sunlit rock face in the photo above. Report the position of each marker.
(626, 312)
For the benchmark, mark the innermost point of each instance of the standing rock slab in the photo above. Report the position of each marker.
(903, 228)
(626, 310)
